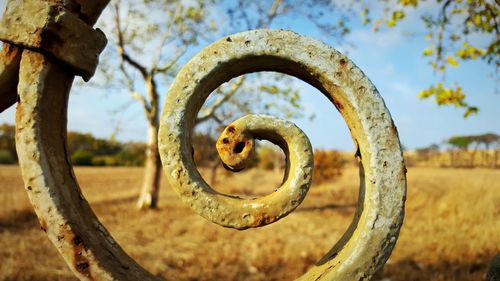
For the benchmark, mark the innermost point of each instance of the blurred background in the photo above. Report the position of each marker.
(435, 63)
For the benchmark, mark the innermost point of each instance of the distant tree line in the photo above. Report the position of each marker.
(460, 152)
(328, 164)
(84, 150)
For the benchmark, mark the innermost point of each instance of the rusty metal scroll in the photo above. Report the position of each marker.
(368, 242)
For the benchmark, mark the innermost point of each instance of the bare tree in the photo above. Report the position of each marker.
(150, 39)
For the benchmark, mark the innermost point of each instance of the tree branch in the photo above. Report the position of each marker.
(443, 11)
(442, 21)
(164, 42)
(493, 16)
(121, 50)
(271, 15)
(125, 57)
(170, 64)
(210, 111)
(142, 100)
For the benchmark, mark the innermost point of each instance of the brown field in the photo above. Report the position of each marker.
(451, 229)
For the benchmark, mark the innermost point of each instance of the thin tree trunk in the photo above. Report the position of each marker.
(486, 155)
(453, 157)
(497, 153)
(214, 168)
(148, 198)
(472, 163)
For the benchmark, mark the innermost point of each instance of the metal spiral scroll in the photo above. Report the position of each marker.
(45, 72)
(372, 235)
(235, 147)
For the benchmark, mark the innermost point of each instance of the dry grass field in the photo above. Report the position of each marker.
(451, 229)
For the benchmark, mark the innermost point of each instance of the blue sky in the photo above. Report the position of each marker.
(390, 58)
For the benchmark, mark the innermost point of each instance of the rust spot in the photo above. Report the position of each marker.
(225, 140)
(81, 263)
(10, 51)
(343, 62)
(338, 105)
(327, 270)
(83, 266)
(43, 225)
(228, 39)
(19, 112)
(29, 187)
(77, 241)
(263, 219)
(224, 150)
(178, 173)
(231, 129)
(37, 38)
(394, 128)
(36, 60)
(357, 154)
(76, 248)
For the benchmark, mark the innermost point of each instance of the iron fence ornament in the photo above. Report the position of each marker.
(231, 211)
(87, 247)
(368, 242)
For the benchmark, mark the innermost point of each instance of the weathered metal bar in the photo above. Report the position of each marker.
(367, 244)
(51, 29)
(10, 56)
(63, 213)
(235, 146)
